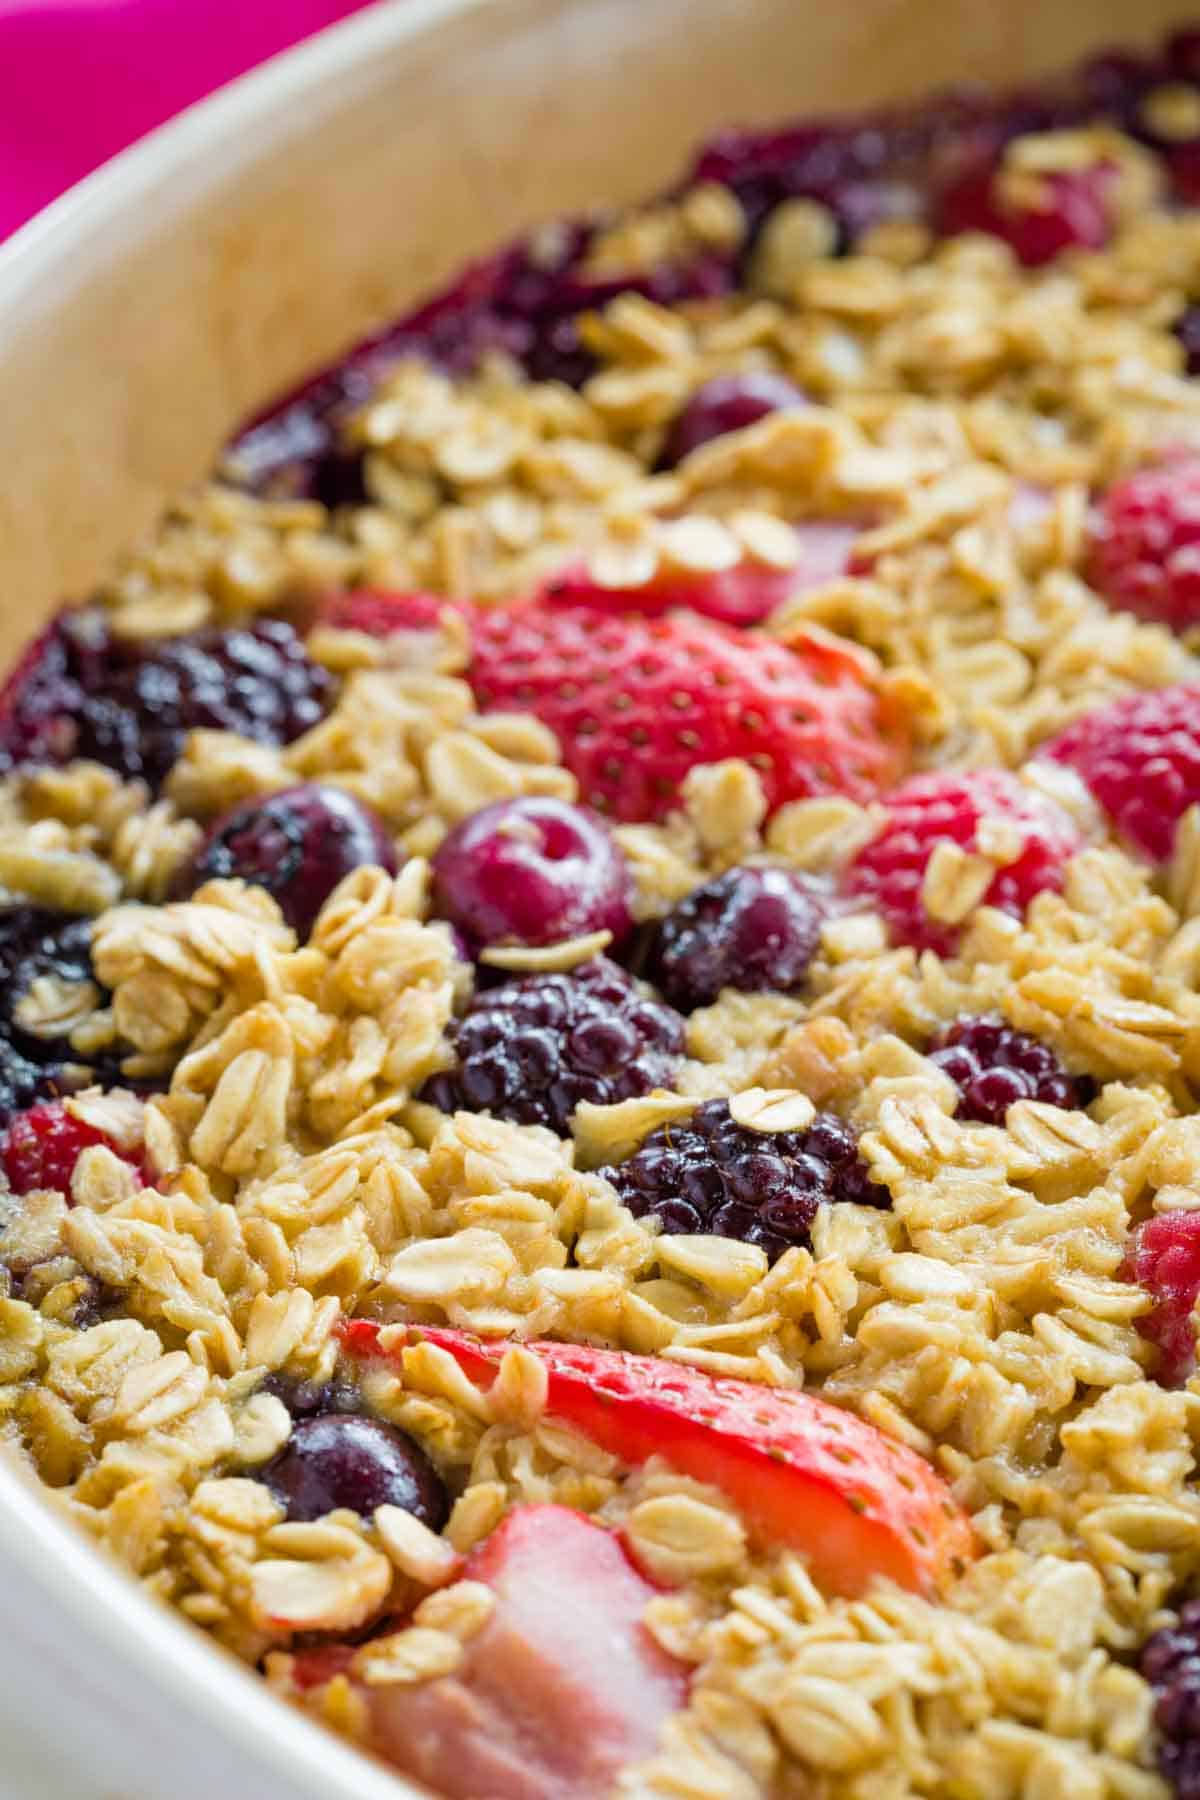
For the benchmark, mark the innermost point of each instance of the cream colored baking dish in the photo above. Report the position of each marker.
(172, 293)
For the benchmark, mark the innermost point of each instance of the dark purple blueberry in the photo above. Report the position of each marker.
(728, 403)
(1170, 1662)
(298, 844)
(993, 1066)
(712, 1175)
(36, 944)
(303, 1399)
(346, 1459)
(532, 871)
(1187, 330)
(530, 1050)
(129, 704)
(751, 929)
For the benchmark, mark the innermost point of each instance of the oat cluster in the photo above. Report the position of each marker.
(961, 410)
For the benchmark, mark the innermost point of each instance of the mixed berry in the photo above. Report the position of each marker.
(752, 929)
(41, 1147)
(37, 1060)
(1140, 758)
(532, 1049)
(1164, 1258)
(298, 844)
(532, 871)
(129, 704)
(993, 1066)
(1170, 1662)
(336, 1459)
(712, 1175)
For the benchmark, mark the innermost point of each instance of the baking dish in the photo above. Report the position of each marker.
(176, 290)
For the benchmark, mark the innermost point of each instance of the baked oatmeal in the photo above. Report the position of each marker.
(600, 1034)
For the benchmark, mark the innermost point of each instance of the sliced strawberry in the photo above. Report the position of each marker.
(561, 1688)
(744, 595)
(41, 1147)
(637, 702)
(802, 1472)
(378, 612)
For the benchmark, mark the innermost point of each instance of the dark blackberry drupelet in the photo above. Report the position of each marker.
(994, 1066)
(337, 1459)
(36, 943)
(530, 1050)
(712, 1175)
(1170, 1662)
(297, 844)
(82, 692)
(751, 929)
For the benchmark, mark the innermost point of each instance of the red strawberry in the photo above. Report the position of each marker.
(561, 1688)
(1164, 1258)
(1074, 212)
(1140, 756)
(802, 1473)
(42, 1146)
(743, 595)
(950, 808)
(378, 613)
(637, 702)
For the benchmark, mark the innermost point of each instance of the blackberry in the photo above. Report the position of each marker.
(530, 1050)
(335, 1459)
(714, 1176)
(1170, 1662)
(36, 943)
(751, 929)
(129, 705)
(994, 1066)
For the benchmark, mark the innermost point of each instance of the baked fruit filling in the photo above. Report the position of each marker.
(600, 992)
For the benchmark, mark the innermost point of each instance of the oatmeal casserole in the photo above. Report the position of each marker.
(600, 1027)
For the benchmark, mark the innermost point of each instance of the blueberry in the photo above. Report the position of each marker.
(298, 844)
(345, 1459)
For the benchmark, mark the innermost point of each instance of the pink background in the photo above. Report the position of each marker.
(80, 79)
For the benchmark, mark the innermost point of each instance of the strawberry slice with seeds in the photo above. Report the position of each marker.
(637, 702)
(561, 1688)
(743, 595)
(40, 1148)
(803, 1473)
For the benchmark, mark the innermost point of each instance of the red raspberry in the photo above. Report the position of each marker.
(1075, 213)
(1165, 1258)
(1140, 756)
(42, 1146)
(949, 808)
(637, 702)
(1145, 548)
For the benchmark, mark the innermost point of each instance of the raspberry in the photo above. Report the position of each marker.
(750, 929)
(36, 944)
(1165, 1258)
(1145, 547)
(950, 808)
(1170, 1662)
(42, 1146)
(728, 403)
(1140, 757)
(637, 702)
(531, 1050)
(1073, 212)
(298, 844)
(715, 1177)
(994, 1066)
(130, 704)
(532, 871)
(335, 1459)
